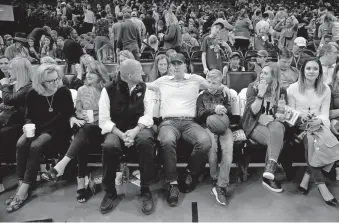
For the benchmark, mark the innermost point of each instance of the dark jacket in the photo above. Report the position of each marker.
(207, 102)
(17, 100)
(250, 120)
(129, 35)
(72, 51)
(126, 109)
(173, 37)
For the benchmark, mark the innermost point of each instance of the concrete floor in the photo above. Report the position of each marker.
(248, 201)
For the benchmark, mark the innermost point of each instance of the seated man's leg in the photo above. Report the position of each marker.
(144, 142)
(110, 161)
(213, 157)
(197, 136)
(226, 143)
(168, 135)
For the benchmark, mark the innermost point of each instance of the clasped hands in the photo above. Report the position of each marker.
(129, 136)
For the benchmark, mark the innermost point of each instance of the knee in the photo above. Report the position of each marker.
(22, 142)
(145, 137)
(203, 142)
(277, 127)
(111, 147)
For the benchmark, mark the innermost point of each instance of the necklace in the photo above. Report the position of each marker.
(50, 104)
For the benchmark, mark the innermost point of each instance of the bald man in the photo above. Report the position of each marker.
(126, 118)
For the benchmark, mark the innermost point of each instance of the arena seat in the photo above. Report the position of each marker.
(147, 66)
(146, 55)
(238, 80)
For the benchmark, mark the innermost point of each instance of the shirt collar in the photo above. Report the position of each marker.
(186, 76)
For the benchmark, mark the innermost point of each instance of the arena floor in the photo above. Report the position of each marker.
(248, 201)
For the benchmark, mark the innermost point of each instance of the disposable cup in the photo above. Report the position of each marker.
(30, 130)
(90, 116)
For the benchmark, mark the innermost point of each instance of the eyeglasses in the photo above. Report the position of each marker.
(55, 81)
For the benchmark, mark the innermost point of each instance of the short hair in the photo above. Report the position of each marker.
(120, 16)
(170, 52)
(325, 49)
(41, 76)
(265, 15)
(285, 53)
(61, 37)
(47, 60)
(103, 14)
(127, 15)
(257, 13)
(214, 74)
(54, 31)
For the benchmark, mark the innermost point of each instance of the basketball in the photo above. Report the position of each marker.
(218, 123)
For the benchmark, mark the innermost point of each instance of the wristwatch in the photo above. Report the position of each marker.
(260, 97)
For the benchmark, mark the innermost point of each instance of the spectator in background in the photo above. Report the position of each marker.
(54, 36)
(102, 31)
(299, 57)
(33, 50)
(59, 50)
(89, 19)
(260, 61)
(116, 29)
(289, 29)
(4, 67)
(223, 34)
(243, 27)
(139, 24)
(72, 50)
(172, 38)
(149, 23)
(328, 57)
(37, 34)
(2, 47)
(263, 26)
(160, 68)
(48, 48)
(289, 74)
(18, 48)
(8, 40)
(129, 37)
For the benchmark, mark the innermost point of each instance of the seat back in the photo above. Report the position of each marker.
(235, 105)
(147, 55)
(239, 80)
(147, 66)
(242, 100)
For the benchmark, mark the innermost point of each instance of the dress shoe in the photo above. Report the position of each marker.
(303, 190)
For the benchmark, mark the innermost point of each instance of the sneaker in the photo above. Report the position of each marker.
(270, 168)
(108, 203)
(273, 185)
(147, 203)
(187, 183)
(173, 195)
(220, 194)
(214, 182)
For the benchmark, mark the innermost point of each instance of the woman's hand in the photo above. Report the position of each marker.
(4, 81)
(262, 88)
(77, 122)
(84, 115)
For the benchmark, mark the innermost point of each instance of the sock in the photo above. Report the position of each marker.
(81, 183)
(305, 181)
(60, 167)
(174, 182)
(325, 193)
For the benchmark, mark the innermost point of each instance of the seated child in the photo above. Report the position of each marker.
(210, 102)
(233, 66)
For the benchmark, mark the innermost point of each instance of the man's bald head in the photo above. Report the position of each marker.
(131, 70)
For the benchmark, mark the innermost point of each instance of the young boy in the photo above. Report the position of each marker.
(212, 102)
(233, 66)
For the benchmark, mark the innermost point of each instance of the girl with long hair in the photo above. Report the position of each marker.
(160, 68)
(311, 97)
(259, 119)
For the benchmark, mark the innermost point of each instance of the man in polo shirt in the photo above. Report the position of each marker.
(328, 57)
(211, 49)
(126, 118)
(179, 93)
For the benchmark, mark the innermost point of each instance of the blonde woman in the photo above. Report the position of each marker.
(49, 106)
(79, 79)
(172, 38)
(14, 91)
(259, 121)
(89, 135)
(289, 30)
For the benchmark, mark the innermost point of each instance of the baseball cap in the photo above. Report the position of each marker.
(300, 41)
(262, 53)
(63, 3)
(134, 14)
(219, 23)
(178, 57)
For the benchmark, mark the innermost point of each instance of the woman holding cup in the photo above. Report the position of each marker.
(49, 108)
(89, 135)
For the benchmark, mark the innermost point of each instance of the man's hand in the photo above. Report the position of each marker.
(206, 71)
(130, 135)
(226, 92)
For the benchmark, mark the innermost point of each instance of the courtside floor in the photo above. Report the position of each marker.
(248, 201)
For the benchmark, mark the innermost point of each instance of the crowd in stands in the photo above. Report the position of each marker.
(55, 73)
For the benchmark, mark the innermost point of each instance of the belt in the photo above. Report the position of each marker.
(180, 118)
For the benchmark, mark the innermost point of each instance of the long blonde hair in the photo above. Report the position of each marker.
(274, 87)
(100, 70)
(22, 69)
(171, 19)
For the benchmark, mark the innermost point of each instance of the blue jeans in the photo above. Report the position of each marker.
(170, 130)
(226, 144)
